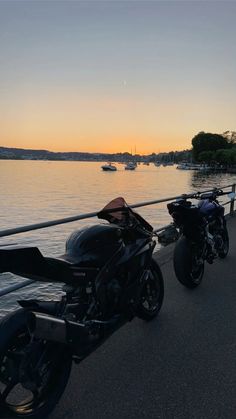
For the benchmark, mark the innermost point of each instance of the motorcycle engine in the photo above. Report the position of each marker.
(113, 293)
(217, 236)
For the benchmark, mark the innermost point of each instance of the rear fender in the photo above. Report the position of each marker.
(30, 263)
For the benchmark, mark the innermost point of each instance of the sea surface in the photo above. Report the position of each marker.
(37, 191)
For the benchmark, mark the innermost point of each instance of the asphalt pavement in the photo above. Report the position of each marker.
(182, 365)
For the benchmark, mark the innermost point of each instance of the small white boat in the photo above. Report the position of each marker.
(168, 163)
(189, 166)
(130, 166)
(183, 166)
(205, 167)
(109, 167)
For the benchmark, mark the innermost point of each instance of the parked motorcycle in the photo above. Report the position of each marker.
(203, 235)
(109, 277)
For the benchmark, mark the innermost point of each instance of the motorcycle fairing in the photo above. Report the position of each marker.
(210, 208)
(118, 212)
(143, 246)
(93, 245)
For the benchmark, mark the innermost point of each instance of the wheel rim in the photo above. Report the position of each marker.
(197, 270)
(197, 265)
(26, 381)
(151, 294)
(225, 246)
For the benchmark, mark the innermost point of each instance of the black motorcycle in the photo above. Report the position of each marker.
(203, 235)
(109, 277)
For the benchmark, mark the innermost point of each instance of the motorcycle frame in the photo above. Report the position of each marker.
(51, 320)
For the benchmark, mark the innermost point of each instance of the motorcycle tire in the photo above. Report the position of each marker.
(225, 237)
(152, 294)
(24, 393)
(187, 272)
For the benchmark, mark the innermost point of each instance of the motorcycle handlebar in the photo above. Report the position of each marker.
(214, 194)
(205, 195)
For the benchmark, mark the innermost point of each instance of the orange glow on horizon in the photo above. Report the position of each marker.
(132, 145)
(64, 120)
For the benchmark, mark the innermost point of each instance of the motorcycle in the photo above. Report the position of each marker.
(203, 235)
(109, 277)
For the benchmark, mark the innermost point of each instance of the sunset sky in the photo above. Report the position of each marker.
(106, 76)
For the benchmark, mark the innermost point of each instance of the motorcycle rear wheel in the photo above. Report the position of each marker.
(32, 377)
(188, 272)
(152, 294)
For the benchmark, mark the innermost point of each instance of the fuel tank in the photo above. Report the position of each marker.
(93, 245)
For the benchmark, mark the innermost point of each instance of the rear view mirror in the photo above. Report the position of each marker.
(231, 195)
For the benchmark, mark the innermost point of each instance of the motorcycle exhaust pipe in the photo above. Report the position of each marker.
(51, 328)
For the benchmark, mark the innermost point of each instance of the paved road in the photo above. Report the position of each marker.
(182, 365)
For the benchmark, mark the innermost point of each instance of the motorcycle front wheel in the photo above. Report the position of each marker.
(152, 294)
(33, 374)
(225, 243)
(188, 268)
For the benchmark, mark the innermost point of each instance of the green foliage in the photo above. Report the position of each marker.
(206, 156)
(174, 156)
(231, 136)
(203, 142)
(226, 157)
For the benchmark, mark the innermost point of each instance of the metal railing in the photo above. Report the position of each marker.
(47, 224)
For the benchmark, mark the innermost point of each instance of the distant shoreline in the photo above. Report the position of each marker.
(64, 160)
(9, 153)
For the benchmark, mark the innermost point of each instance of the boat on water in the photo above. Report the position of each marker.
(205, 167)
(192, 166)
(183, 166)
(130, 166)
(109, 167)
(168, 163)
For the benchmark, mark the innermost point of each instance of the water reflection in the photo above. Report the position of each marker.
(205, 180)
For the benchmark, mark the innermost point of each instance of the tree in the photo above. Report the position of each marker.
(230, 136)
(206, 156)
(226, 157)
(208, 142)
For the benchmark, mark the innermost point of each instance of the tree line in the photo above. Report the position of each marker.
(215, 149)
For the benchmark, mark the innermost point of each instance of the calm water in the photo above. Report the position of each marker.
(34, 191)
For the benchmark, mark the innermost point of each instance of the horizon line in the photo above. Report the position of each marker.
(95, 152)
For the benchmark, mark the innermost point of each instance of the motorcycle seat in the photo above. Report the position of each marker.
(68, 269)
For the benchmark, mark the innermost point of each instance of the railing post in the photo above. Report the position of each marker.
(231, 211)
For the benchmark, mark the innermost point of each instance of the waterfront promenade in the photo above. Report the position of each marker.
(182, 365)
